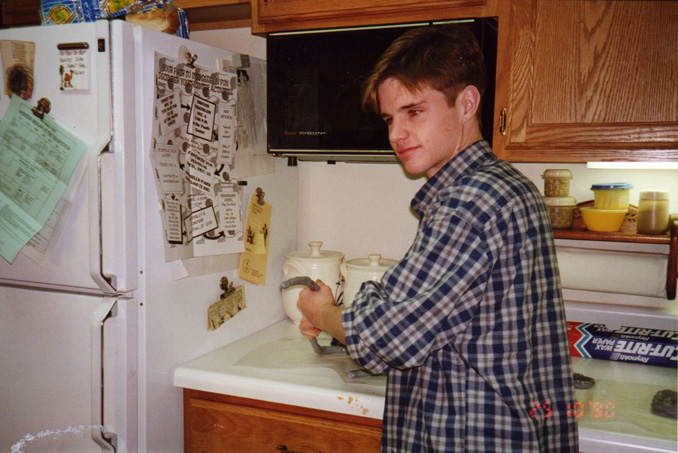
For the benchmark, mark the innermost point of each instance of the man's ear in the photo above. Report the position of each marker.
(470, 101)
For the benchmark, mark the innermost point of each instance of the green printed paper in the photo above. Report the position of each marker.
(37, 160)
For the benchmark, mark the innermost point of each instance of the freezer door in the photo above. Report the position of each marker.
(68, 372)
(77, 261)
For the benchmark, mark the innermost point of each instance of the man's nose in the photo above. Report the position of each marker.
(397, 131)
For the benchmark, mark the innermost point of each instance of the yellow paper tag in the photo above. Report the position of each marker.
(257, 237)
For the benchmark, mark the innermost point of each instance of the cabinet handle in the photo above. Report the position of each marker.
(502, 122)
(672, 272)
(284, 448)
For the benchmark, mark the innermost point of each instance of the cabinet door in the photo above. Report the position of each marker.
(284, 15)
(587, 80)
(212, 423)
(20, 12)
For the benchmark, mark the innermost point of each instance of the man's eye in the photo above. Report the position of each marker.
(414, 112)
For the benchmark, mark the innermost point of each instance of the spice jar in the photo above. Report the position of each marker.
(653, 212)
(557, 182)
(561, 211)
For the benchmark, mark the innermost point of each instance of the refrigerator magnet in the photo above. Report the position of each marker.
(231, 302)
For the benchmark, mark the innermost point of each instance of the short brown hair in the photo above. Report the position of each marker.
(445, 58)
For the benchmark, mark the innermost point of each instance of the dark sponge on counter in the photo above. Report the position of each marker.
(664, 404)
(582, 382)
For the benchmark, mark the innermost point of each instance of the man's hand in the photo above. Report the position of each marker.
(308, 329)
(320, 313)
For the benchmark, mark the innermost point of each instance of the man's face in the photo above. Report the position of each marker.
(424, 131)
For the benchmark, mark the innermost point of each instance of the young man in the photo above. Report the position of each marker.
(470, 325)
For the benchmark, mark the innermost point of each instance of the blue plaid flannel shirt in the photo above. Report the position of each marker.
(470, 325)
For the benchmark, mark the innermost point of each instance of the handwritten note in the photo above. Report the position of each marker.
(37, 160)
(74, 69)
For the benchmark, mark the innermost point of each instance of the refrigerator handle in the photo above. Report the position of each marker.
(106, 282)
(105, 439)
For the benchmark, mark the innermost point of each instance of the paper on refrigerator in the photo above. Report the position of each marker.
(18, 58)
(252, 158)
(37, 160)
(192, 154)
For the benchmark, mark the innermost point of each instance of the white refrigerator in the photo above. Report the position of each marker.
(90, 338)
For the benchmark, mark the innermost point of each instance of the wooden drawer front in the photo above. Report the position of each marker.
(217, 426)
(286, 15)
(294, 9)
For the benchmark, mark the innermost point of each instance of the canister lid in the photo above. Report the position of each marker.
(560, 201)
(315, 253)
(557, 173)
(654, 195)
(612, 186)
(373, 261)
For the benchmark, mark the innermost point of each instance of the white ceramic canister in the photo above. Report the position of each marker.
(360, 270)
(314, 263)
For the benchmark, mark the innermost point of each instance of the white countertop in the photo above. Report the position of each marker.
(615, 416)
(278, 364)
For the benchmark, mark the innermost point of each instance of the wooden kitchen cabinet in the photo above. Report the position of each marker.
(19, 12)
(582, 81)
(222, 423)
(216, 14)
(286, 15)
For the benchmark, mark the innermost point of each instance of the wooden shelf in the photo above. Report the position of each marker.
(586, 235)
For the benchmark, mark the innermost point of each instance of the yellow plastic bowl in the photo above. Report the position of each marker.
(606, 220)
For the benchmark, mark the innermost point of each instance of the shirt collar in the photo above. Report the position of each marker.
(465, 162)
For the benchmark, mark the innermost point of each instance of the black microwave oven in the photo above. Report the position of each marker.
(313, 90)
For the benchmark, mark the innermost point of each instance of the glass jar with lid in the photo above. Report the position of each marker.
(561, 211)
(653, 212)
(557, 182)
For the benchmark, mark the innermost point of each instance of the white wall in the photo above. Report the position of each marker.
(239, 40)
(364, 208)
(357, 209)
